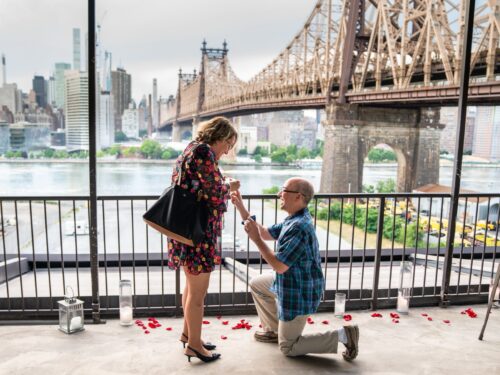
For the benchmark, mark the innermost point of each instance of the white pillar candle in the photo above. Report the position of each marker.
(75, 324)
(403, 304)
(126, 315)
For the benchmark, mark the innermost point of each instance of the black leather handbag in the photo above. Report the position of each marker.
(179, 214)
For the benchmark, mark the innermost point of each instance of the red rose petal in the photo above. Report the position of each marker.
(225, 322)
(429, 319)
(394, 315)
(260, 325)
(168, 328)
(144, 327)
(424, 314)
(206, 322)
(395, 321)
(446, 321)
(376, 315)
(151, 325)
(146, 332)
(219, 316)
(325, 322)
(347, 317)
(463, 312)
(223, 337)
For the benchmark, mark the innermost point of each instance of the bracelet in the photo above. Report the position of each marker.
(253, 217)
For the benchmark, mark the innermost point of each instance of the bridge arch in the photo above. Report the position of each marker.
(401, 156)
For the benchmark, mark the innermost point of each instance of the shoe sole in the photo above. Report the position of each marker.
(270, 341)
(352, 334)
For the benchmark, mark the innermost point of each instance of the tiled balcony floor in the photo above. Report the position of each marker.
(414, 346)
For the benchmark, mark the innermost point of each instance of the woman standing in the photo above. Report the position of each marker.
(200, 172)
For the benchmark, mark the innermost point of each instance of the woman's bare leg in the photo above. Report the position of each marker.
(185, 330)
(193, 314)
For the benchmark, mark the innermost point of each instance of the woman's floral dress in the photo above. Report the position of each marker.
(200, 172)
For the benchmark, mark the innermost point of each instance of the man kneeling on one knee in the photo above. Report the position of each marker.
(285, 300)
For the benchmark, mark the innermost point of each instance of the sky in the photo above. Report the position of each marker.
(149, 38)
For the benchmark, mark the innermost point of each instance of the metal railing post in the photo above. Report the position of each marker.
(94, 256)
(378, 253)
(459, 148)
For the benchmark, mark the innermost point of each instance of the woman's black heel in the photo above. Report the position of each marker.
(207, 345)
(204, 358)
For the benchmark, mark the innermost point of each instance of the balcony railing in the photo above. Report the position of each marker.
(44, 246)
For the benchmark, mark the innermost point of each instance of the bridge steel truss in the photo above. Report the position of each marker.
(356, 51)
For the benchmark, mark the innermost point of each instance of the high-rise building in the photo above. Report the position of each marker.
(105, 122)
(4, 137)
(77, 110)
(4, 71)
(60, 88)
(11, 97)
(40, 90)
(449, 117)
(76, 49)
(130, 121)
(154, 105)
(50, 84)
(26, 136)
(121, 89)
(487, 133)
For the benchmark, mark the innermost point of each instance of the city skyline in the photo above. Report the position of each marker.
(151, 45)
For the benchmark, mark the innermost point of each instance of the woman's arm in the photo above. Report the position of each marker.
(237, 200)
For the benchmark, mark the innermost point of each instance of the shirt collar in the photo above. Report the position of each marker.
(301, 212)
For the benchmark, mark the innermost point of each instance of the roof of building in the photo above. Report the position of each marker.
(442, 189)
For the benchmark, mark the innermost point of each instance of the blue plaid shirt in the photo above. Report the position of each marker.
(298, 289)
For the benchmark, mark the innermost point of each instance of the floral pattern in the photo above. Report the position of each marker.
(200, 172)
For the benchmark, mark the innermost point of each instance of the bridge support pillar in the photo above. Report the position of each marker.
(176, 132)
(196, 122)
(352, 131)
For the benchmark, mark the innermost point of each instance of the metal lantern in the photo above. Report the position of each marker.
(70, 313)
(404, 290)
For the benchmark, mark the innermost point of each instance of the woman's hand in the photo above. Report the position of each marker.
(236, 199)
(234, 185)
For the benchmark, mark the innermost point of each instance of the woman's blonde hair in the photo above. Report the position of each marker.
(216, 129)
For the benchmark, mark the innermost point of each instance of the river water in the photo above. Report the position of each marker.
(68, 178)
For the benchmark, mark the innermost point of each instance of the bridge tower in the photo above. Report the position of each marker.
(192, 89)
(351, 131)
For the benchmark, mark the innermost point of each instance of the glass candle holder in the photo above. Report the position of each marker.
(339, 305)
(404, 290)
(126, 307)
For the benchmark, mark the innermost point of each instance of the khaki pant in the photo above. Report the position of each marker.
(291, 341)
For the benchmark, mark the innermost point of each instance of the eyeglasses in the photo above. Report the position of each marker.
(283, 189)
(231, 145)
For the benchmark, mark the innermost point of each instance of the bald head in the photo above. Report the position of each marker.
(302, 186)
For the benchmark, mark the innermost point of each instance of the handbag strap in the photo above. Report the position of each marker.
(179, 175)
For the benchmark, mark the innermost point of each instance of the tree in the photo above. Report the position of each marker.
(272, 190)
(243, 152)
(114, 150)
(151, 149)
(129, 151)
(368, 189)
(257, 158)
(120, 136)
(261, 151)
(303, 153)
(378, 155)
(279, 156)
(387, 186)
